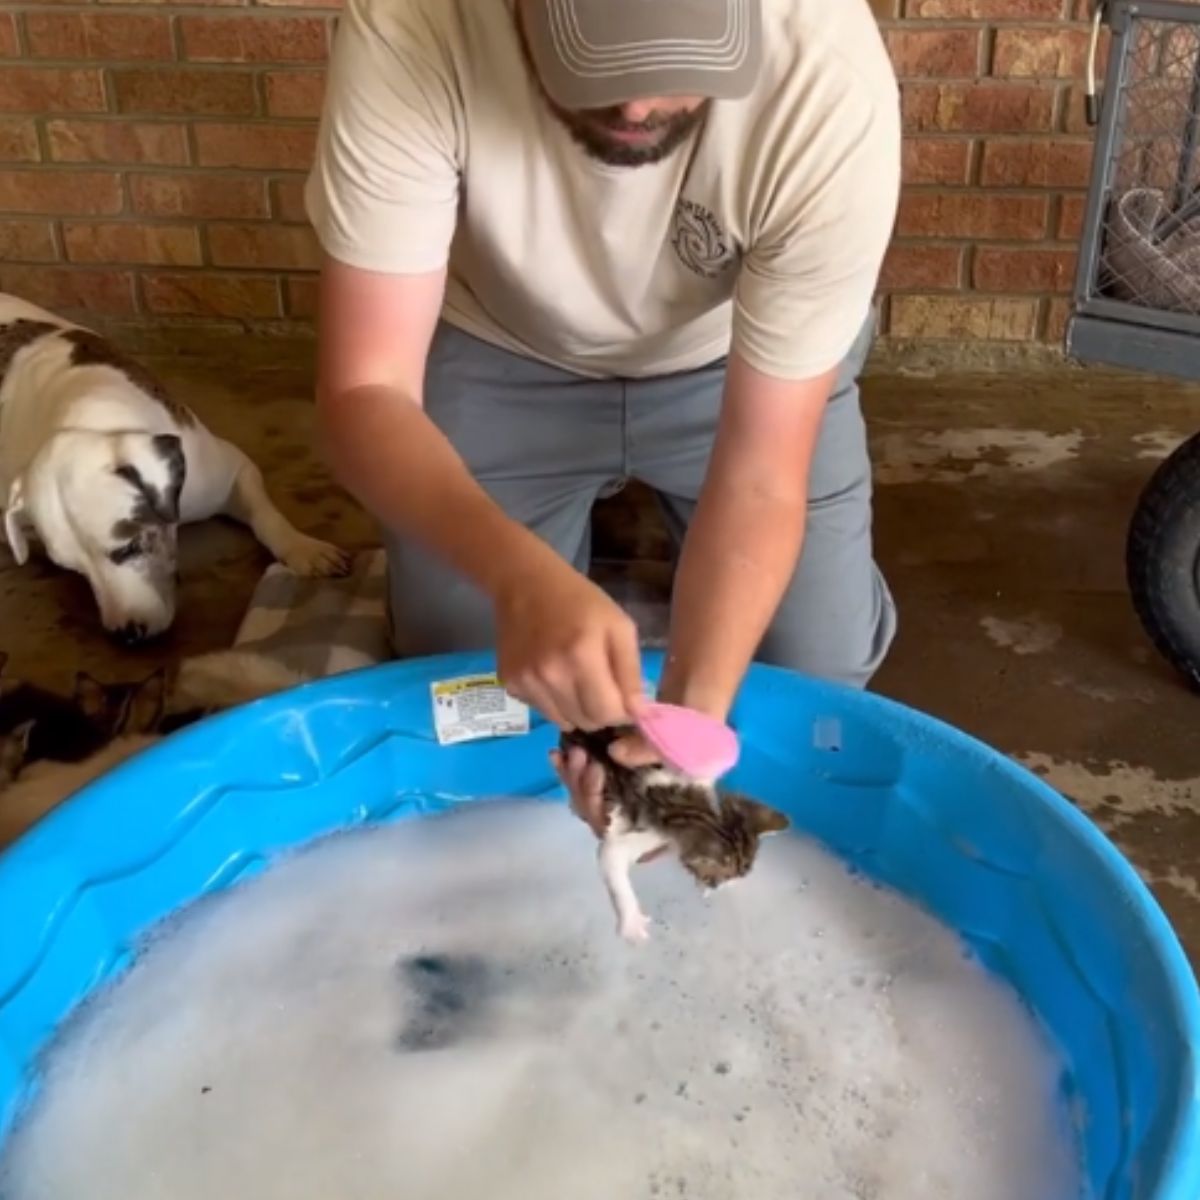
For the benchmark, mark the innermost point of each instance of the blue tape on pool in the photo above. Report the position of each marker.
(1031, 884)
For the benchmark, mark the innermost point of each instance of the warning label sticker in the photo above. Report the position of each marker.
(474, 707)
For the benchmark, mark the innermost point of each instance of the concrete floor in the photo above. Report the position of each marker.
(1002, 504)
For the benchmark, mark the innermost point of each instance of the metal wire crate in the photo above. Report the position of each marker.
(1137, 287)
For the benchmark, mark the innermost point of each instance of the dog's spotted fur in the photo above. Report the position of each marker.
(88, 349)
(16, 335)
(146, 536)
(156, 504)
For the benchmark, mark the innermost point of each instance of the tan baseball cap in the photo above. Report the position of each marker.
(597, 53)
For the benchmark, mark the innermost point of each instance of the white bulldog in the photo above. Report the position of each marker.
(103, 466)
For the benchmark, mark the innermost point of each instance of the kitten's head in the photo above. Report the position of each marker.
(14, 749)
(720, 850)
(716, 835)
(121, 709)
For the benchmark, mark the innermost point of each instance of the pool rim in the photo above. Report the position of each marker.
(1181, 1151)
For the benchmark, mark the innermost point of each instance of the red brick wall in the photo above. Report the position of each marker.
(151, 157)
(997, 159)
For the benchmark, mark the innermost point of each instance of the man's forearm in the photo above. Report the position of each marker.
(744, 540)
(738, 557)
(385, 450)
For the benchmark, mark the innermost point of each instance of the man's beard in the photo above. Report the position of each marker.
(595, 131)
(589, 127)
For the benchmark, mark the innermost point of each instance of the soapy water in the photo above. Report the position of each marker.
(442, 1009)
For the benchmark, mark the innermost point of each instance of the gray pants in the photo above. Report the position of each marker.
(546, 444)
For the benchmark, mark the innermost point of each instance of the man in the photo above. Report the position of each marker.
(572, 242)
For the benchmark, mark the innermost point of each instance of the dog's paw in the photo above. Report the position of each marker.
(635, 927)
(315, 559)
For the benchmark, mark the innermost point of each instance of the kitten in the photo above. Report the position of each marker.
(714, 834)
(59, 728)
(164, 701)
(120, 709)
(183, 693)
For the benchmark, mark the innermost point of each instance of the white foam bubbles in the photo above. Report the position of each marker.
(442, 1009)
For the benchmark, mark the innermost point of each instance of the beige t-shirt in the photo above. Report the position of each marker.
(764, 233)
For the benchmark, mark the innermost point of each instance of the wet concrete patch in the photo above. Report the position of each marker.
(1156, 443)
(1029, 635)
(957, 456)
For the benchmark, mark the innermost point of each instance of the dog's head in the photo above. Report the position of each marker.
(107, 506)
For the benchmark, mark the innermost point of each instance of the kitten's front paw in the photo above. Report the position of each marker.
(635, 928)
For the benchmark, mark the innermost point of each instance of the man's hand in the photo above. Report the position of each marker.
(584, 779)
(566, 648)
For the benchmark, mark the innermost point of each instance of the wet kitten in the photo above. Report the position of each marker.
(714, 834)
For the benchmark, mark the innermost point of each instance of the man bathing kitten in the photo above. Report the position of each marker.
(567, 243)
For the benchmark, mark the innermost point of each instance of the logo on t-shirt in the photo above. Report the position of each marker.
(702, 245)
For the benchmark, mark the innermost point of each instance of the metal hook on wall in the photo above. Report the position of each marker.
(1091, 100)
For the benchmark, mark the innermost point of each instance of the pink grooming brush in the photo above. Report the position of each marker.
(697, 745)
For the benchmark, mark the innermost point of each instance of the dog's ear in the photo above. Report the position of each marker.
(14, 532)
(3, 660)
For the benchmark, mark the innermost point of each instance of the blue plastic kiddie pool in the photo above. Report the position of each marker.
(1031, 884)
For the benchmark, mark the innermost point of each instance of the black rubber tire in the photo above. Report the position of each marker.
(1162, 559)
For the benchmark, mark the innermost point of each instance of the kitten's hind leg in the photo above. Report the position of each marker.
(620, 848)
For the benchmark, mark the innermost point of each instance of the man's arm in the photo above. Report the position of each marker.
(744, 540)
(805, 283)
(738, 556)
(375, 335)
(383, 198)
(564, 646)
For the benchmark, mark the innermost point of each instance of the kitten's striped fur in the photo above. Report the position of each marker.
(715, 834)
